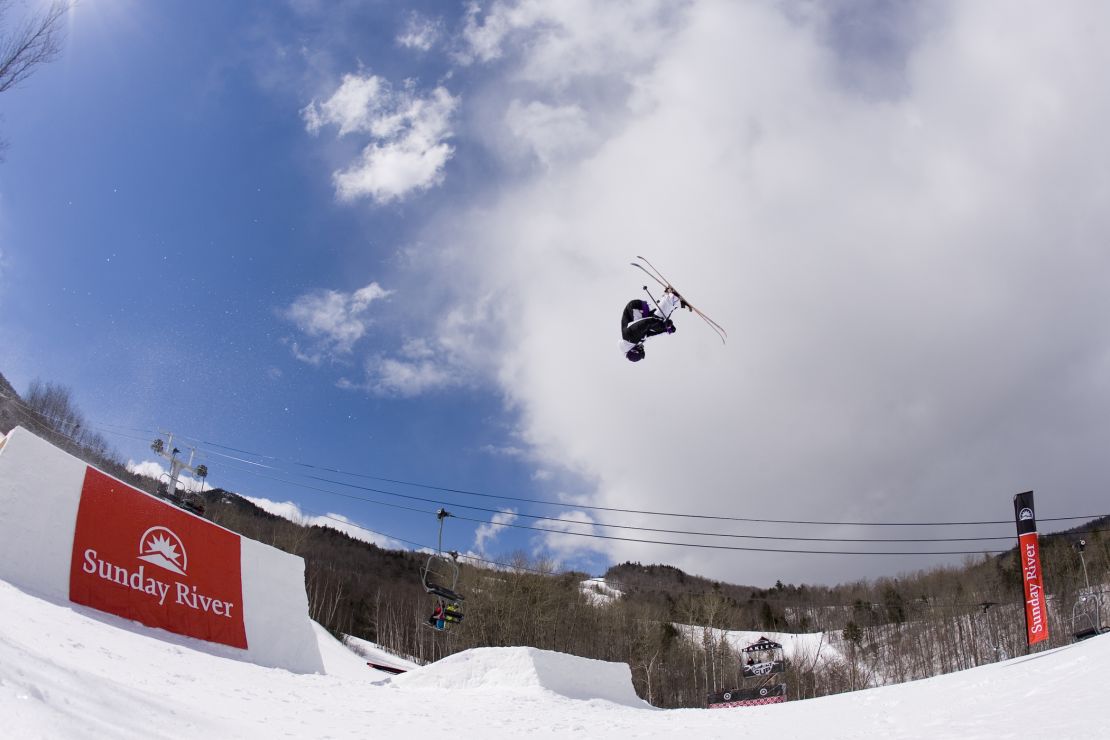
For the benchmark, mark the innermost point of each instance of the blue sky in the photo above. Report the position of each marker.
(392, 239)
(164, 209)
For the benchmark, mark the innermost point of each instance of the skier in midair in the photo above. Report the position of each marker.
(640, 321)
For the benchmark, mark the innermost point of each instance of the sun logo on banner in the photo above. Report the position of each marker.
(160, 546)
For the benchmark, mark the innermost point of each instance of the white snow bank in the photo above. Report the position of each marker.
(528, 670)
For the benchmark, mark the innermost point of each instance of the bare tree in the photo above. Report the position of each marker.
(37, 40)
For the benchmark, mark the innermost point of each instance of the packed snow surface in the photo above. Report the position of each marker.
(71, 672)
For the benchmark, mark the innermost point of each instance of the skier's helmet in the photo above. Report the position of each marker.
(636, 353)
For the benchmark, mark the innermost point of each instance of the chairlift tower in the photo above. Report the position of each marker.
(169, 452)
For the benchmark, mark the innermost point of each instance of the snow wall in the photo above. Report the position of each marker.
(70, 531)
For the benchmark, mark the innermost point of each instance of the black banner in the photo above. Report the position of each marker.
(761, 645)
(1023, 513)
(755, 670)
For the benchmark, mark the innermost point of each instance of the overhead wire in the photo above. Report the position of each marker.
(423, 547)
(624, 539)
(564, 523)
(563, 504)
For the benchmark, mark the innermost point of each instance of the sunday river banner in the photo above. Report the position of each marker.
(1029, 555)
(142, 559)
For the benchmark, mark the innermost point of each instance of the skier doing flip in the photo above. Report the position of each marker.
(639, 321)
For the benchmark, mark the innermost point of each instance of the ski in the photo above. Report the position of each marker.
(658, 277)
(387, 668)
(650, 275)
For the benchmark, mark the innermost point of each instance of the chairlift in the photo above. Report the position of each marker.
(440, 574)
(1086, 614)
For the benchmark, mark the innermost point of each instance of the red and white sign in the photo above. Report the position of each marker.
(1036, 609)
(142, 559)
(1032, 575)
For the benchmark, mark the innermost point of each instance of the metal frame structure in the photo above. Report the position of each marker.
(763, 662)
(187, 500)
(1086, 615)
(440, 574)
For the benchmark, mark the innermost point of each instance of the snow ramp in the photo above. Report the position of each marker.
(527, 670)
(71, 532)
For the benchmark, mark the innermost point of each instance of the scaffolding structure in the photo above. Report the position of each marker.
(763, 665)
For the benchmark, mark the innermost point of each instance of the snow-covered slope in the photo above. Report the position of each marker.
(808, 647)
(70, 672)
(598, 591)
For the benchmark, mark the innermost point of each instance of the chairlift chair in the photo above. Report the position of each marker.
(1086, 615)
(440, 574)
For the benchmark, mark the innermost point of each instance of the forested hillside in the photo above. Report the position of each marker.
(880, 631)
(49, 411)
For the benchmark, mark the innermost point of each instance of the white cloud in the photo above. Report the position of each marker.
(555, 44)
(420, 366)
(408, 134)
(420, 33)
(360, 104)
(913, 282)
(504, 451)
(454, 357)
(291, 511)
(487, 533)
(550, 132)
(568, 546)
(409, 378)
(334, 321)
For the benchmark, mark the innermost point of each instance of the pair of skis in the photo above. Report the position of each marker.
(657, 276)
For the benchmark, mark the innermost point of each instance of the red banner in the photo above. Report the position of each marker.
(1029, 555)
(142, 559)
(1036, 610)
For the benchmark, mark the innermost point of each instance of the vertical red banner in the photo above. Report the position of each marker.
(142, 559)
(1032, 576)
